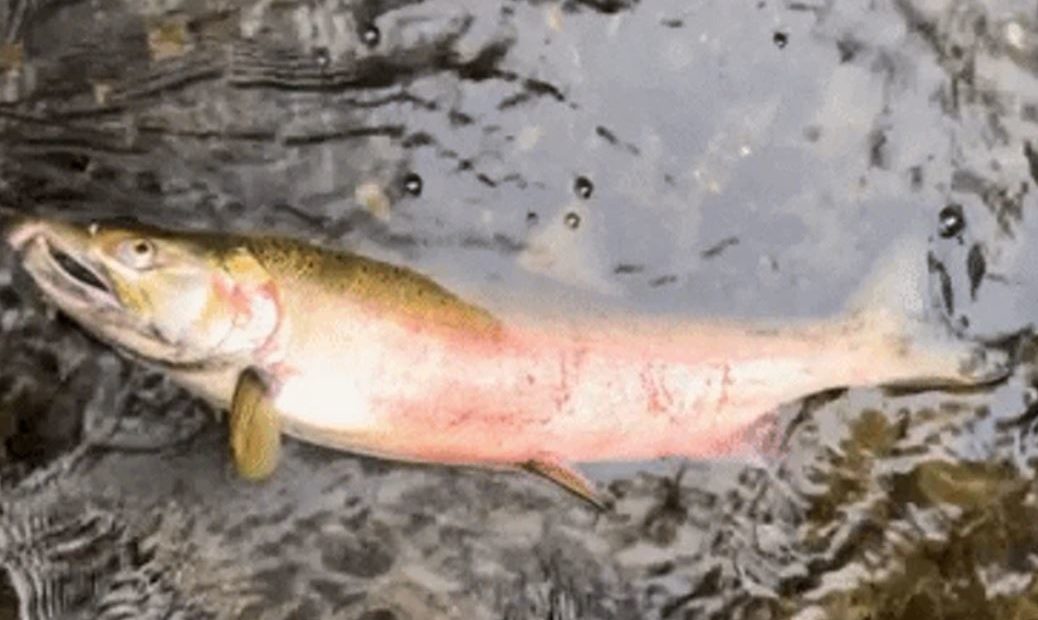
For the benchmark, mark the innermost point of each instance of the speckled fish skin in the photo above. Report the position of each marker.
(373, 358)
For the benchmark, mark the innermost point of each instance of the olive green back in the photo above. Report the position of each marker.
(396, 289)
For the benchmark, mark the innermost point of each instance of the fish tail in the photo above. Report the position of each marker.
(895, 312)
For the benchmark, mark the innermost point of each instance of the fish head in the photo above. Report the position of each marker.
(173, 298)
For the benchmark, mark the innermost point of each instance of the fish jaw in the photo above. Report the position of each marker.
(59, 260)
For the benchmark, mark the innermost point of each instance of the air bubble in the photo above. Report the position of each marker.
(413, 184)
(321, 57)
(583, 187)
(780, 39)
(572, 220)
(371, 35)
(951, 221)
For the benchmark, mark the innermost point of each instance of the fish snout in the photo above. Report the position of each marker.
(18, 230)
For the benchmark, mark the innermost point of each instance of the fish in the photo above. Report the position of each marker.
(365, 356)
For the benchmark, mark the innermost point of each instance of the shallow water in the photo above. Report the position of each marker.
(736, 159)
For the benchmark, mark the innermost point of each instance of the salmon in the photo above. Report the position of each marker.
(364, 356)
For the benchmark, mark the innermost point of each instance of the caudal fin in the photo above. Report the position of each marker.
(894, 311)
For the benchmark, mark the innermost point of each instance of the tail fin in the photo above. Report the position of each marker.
(894, 309)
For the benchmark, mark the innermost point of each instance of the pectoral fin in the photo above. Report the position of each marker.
(255, 431)
(566, 477)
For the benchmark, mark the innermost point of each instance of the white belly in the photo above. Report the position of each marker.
(328, 396)
(339, 387)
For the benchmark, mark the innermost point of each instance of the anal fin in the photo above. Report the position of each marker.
(566, 477)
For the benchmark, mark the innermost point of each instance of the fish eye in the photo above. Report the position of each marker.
(137, 253)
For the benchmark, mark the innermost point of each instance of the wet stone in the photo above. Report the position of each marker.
(1030, 396)
(8, 597)
(334, 593)
(359, 558)
(321, 57)
(306, 610)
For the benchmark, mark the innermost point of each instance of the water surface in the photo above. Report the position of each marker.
(716, 158)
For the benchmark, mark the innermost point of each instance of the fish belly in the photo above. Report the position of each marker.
(435, 399)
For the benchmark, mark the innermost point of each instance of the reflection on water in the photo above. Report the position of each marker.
(734, 159)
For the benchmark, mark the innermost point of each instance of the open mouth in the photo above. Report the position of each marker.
(77, 271)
